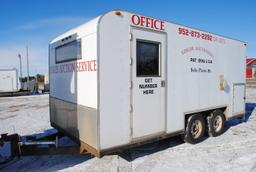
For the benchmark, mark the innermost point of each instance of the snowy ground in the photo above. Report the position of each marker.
(235, 150)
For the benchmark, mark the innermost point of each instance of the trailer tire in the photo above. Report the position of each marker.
(215, 123)
(195, 129)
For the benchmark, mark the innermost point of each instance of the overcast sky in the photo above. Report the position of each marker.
(34, 23)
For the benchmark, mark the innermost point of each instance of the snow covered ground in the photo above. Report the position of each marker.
(234, 150)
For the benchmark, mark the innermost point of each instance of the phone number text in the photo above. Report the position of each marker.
(200, 35)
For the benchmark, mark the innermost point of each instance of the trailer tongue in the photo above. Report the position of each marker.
(15, 145)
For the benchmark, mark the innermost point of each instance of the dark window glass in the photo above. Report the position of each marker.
(68, 52)
(147, 58)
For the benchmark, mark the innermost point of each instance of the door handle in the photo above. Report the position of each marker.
(162, 83)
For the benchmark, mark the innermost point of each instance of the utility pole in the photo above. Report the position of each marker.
(27, 65)
(19, 56)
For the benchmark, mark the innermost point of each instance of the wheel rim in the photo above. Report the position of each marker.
(217, 123)
(196, 129)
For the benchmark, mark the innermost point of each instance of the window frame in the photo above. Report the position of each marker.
(159, 57)
(63, 45)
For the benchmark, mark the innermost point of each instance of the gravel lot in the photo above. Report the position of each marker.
(234, 150)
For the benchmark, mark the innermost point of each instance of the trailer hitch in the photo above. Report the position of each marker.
(10, 142)
(14, 145)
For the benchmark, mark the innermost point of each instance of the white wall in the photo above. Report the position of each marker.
(194, 91)
(114, 76)
(73, 91)
(77, 86)
(8, 80)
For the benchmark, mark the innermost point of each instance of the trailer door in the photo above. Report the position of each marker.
(238, 99)
(148, 83)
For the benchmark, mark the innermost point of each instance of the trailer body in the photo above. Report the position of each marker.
(124, 78)
(8, 80)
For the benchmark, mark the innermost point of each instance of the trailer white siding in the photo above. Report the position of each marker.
(194, 91)
(73, 85)
(114, 76)
(64, 80)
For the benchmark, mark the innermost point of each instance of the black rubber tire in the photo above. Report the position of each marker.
(210, 123)
(188, 137)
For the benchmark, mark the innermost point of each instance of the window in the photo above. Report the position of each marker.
(147, 58)
(68, 52)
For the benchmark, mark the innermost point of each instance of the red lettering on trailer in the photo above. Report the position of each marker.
(148, 22)
(80, 66)
(162, 25)
(200, 35)
(133, 20)
(202, 49)
(142, 21)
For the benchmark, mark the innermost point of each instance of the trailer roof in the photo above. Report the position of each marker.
(89, 23)
(71, 31)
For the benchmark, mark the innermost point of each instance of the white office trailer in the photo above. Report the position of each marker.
(124, 78)
(8, 80)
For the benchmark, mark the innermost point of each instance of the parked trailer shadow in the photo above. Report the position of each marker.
(144, 150)
(249, 107)
(147, 149)
(58, 162)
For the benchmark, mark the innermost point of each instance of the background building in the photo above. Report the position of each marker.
(250, 68)
(9, 80)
